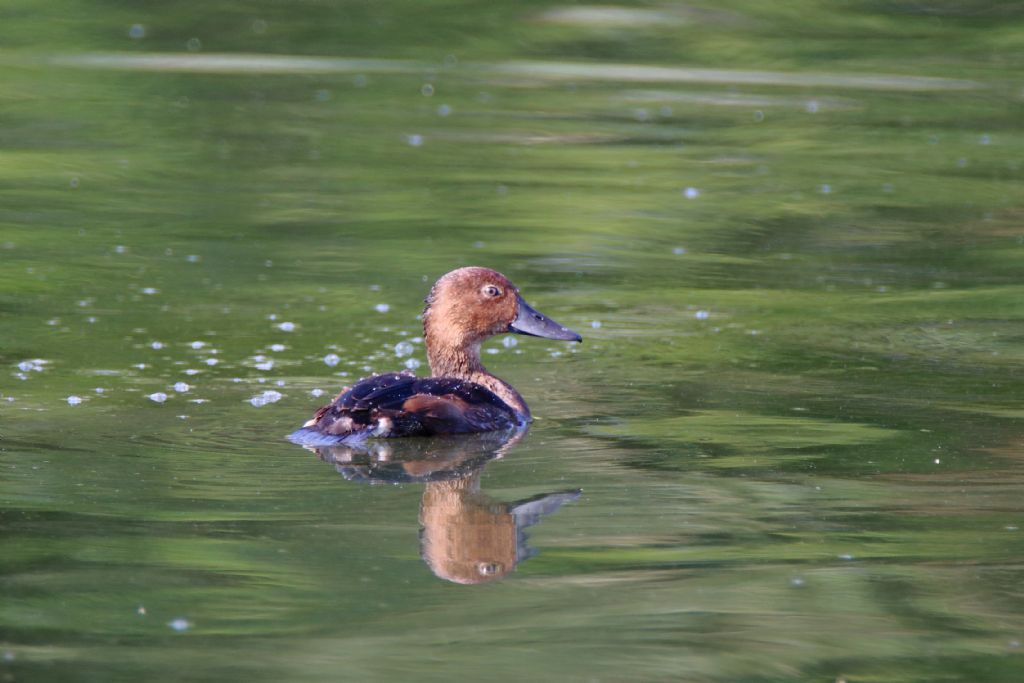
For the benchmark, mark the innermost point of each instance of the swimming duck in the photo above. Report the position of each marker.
(464, 308)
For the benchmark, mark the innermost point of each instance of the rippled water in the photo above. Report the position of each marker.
(789, 448)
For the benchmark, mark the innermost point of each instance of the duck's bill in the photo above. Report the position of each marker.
(536, 324)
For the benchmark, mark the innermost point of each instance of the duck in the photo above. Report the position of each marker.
(464, 308)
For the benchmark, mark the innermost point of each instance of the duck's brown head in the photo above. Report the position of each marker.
(468, 305)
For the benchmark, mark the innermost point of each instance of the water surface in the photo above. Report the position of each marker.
(791, 237)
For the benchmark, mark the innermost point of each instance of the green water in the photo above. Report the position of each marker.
(791, 234)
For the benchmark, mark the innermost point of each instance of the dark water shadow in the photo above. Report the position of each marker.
(465, 535)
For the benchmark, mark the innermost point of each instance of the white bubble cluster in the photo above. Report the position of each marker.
(403, 349)
(33, 365)
(268, 396)
(332, 359)
(157, 397)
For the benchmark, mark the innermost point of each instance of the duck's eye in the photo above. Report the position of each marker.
(488, 568)
(491, 291)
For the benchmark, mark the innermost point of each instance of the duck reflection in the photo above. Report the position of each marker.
(465, 535)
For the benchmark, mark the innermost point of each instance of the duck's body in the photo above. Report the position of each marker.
(464, 308)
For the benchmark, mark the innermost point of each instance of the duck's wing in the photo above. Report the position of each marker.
(400, 404)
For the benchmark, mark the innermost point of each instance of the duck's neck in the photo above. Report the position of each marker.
(450, 356)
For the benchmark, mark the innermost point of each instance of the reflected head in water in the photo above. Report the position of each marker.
(465, 536)
(468, 537)
(464, 308)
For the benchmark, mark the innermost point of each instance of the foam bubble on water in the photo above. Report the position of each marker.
(596, 324)
(157, 397)
(286, 327)
(150, 290)
(197, 344)
(382, 308)
(140, 366)
(691, 193)
(414, 140)
(191, 371)
(74, 400)
(508, 342)
(826, 188)
(180, 625)
(193, 258)
(157, 345)
(812, 107)
(316, 393)
(120, 249)
(332, 359)
(985, 139)
(444, 110)
(491, 351)
(403, 349)
(265, 365)
(277, 347)
(137, 32)
(99, 390)
(679, 251)
(199, 400)
(33, 365)
(427, 90)
(701, 315)
(211, 361)
(181, 387)
(268, 396)
(411, 363)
